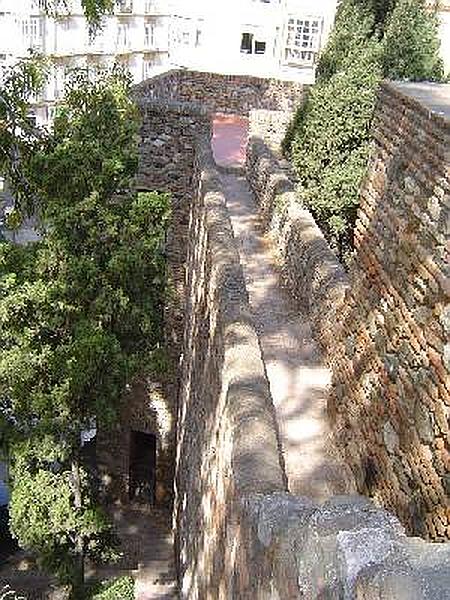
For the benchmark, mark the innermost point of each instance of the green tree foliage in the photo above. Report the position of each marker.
(94, 10)
(42, 513)
(17, 135)
(101, 156)
(80, 315)
(334, 160)
(355, 24)
(121, 588)
(411, 46)
(328, 139)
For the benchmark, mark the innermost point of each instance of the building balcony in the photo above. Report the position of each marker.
(299, 58)
(124, 7)
(156, 7)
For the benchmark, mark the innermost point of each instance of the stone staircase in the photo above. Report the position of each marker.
(148, 545)
(148, 556)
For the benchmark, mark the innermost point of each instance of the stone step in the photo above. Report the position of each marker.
(156, 592)
(156, 572)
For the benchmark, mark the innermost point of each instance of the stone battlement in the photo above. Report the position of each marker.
(239, 533)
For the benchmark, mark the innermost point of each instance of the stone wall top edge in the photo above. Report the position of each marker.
(440, 120)
(266, 473)
(159, 77)
(180, 108)
(237, 76)
(274, 170)
(359, 529)
(185, 73)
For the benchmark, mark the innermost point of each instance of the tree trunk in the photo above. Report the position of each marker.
(78, 585)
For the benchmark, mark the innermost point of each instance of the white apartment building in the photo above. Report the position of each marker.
(272, 38)
(444, 30)
(137, 35)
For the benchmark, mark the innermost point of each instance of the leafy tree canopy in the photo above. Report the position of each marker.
(80, 310)
(410, 45)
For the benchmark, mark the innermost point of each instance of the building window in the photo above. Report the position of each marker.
(198, 38)
(251, 46)
(303, 40)
(91, 37)
(124, 6)
(32, 32)
(260, 47)
(247, 43)
(65, 24)
(39, 5)
(148, 68)
(123, 37)
(149, 35)
(59, 81)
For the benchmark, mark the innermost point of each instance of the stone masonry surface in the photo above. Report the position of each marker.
(227, 438)
(392, 362)
(239, 534)
(166, 164)
(298, 378)
(235, 94)
(384, 326)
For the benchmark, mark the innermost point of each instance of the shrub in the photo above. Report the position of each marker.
(121, 588)
(330, 154)
(411, 46)
(355, 24)
(329, 137)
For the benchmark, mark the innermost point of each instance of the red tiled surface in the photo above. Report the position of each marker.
(230, 133)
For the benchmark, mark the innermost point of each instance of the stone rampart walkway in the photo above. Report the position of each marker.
(297, 375)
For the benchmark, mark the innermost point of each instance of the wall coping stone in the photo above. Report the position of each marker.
(240, 77)
(161, 105)
(254, 470)
(432, 100)
(346, 548)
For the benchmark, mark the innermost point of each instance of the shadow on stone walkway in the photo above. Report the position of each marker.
(299, 379)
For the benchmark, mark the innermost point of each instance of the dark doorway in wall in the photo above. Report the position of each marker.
(142, 467)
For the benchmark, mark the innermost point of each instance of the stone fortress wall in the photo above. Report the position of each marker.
(239, 533)
(234, 94)
(392, 357)
(167, 157)
(384, 326)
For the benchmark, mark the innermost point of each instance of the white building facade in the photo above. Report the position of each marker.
(271, 38)
(136, 35)
(444, 30)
